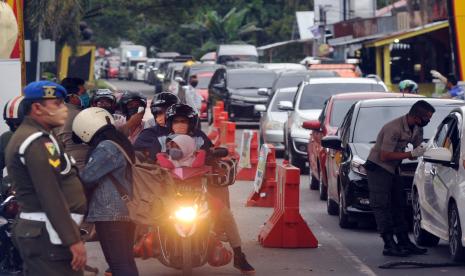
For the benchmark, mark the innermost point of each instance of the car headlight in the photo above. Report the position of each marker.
(160, 76)
(186, 214)
(357, 166)
(274, 125)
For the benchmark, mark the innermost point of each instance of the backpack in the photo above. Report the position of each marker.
(151, 184)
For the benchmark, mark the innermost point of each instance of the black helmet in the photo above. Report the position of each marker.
(103, 94)
(13, 112)
(163, 101)
(181, 110)
(129, 96)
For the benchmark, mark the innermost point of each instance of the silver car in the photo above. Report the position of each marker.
(272, 118)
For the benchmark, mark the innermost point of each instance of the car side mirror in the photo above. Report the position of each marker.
(263, 92)
(441, 156)
(260, 108)
(312, 125)
(285, 105)
(331, 142)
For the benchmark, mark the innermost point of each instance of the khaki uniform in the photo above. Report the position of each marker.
(44, 184)
(387, 195)
(65, 135)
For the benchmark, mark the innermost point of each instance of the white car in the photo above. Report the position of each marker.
(438, 191)
(139, 71)
(307, 105)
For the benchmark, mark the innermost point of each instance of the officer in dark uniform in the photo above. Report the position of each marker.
(48, 190)
(387, 196)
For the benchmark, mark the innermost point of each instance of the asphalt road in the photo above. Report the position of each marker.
(340, 251)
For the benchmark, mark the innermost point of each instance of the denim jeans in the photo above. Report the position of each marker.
(117, 240)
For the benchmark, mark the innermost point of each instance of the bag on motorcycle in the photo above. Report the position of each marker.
(150, 185)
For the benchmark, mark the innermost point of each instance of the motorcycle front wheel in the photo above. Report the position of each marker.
(186, 256)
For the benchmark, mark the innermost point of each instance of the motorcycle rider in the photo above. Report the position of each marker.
(64, 133)
(160, 103)
(408, 86)
(132, 106)
(13, 114)
(182, 119)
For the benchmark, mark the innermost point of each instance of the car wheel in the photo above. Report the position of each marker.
(344, 221)
(314, 183)
(331, 207)
(456, 249)
(297, 162)
(322, 189)
(421, 236)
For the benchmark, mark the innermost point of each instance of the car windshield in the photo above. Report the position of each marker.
(204, 79)
(289, 81)
(282, 96)
(339, 110)
(370, 120)
(314, 95)
(251, 80)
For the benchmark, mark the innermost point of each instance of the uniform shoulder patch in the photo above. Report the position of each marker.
(50, 148)
(54, 162)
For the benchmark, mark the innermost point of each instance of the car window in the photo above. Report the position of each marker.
(288, 80)
(339, 110)
(281, 96)
(370, 120)
(250, 80)
(204, 79)
(321, 118)
(344, 130)
(314, 95)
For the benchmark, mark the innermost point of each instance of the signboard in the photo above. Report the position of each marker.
(11, 51)
(244, 161)
(305, 22)
(261, 167)
(81, 65)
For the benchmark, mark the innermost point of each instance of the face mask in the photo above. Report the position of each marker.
(85, 100)
(175, 154)
(57, 117)
(194, 83)
(423, 123)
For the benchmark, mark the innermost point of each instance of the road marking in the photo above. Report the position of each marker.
(342, 250)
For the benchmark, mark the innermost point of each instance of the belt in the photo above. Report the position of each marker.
(41, 216)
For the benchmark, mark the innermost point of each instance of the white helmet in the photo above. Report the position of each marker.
(91, 120)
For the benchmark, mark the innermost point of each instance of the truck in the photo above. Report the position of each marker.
(130, 54)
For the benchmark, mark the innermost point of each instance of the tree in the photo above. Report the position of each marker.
(56, 19)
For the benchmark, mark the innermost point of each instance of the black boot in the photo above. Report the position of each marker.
(391, 248)
(240, 262)
(404, 242)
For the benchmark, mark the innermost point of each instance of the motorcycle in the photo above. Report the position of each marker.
(10, 259)
(185, 237)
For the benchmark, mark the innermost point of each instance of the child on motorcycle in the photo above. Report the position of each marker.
(182, 119)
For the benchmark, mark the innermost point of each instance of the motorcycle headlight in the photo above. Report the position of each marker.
(186, 214)
(160, 76)
(357, 166)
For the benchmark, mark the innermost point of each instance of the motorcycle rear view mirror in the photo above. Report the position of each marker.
(220, 152)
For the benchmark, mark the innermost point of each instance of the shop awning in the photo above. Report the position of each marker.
(408, 34)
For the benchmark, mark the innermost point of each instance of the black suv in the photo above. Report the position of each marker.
(240, 89)
(348, 194)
